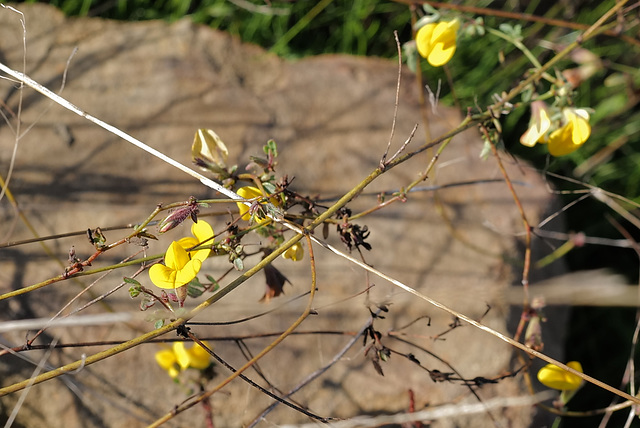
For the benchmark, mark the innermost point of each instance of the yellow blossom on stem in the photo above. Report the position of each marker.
(539, 124)
(179, 357)
(437, 41)
(249, 192)
(555, 377)
(563, 138)
(202, 232)
(295, 252)
(573, 134)
(181, 266)
(178, 269)
(195, 357)
(167, 360)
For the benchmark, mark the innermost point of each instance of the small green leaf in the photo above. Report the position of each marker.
(195, 288)
(271, 147)
(269, 187)
(158, 324)
(214, 283)
(132, 281)
(238, 264)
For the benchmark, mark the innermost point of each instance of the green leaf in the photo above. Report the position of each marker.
(215, 286)
(132, 281)
(269, 187)
(134, 291)
(271, 147)
(195, 288)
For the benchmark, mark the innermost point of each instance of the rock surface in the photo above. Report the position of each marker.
(331, 117)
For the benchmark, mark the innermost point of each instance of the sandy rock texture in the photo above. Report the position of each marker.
(331, 117)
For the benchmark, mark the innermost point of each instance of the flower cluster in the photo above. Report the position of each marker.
(179, 358)
(437, 41)
(563, 137)
(180, 265)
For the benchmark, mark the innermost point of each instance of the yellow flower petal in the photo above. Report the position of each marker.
(165, 358)
(200, 358)
(443, 43)
(188, 242)
(423, 39)
(437, 42)
(182, 355)
(202, 232)
(187, 273)
(540, 124)
(195, 357)
(581, 130)
(573, 133)
(162, 276)
(249, 192)
(554, 377)
(176, 257)
(295, 252)
(208, 149)
(178, 269)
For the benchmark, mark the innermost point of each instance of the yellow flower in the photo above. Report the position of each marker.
(202, 232)
(538, 125)
(554, 377)
(575, 131)
(195, 357)
(180, 358)
(208, 151)
(437, 41)
(178, 268)
(249, 192)
(295, 252)
(167, 360)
